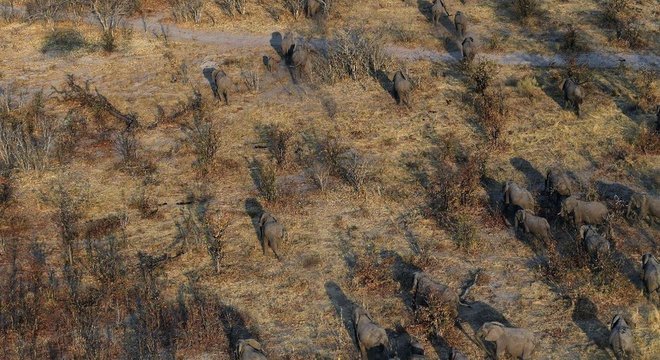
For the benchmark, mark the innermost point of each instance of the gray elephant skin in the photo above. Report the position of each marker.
(436, 11)
(536, 225)
(301, 62)
(402, 88)
(468, 49)
(621, 338)
(517, 196)
(558, 183)
(519, 343)
(596, 244)
(223, 85)
(645, 206)
(460, 22)
(457, 355)
(425, 290)
(370, 336)
(584, 212)
(271, 233)
(288, 43)
(250, 349)
(573, 94)
(651, 276)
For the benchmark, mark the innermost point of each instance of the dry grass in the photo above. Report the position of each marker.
(328, 231)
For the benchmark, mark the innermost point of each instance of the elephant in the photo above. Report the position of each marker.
(558, 182)
(271, 233)
(288, 43)
(425, 291)
(595, 244)
(651, 275)
(223, 85)
(460, 22)
(646, 206)
(519, 343)
(402, 88)
(457, 355)
(250, 349)
(469, 50)
(301, 62)
(370, 337)
(314, 7)
(536, 225)
(573, 94)
(436, 11)
(621, 338)
(584, 212)
(517, 196)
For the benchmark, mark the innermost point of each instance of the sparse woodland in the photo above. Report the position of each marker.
(329, 179)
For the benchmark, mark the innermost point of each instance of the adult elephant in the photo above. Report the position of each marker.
(402, 88)
(437, 10)
(573, 94)
(645, 206)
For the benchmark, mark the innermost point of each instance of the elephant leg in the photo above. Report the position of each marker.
(226, 95)
(363, 351)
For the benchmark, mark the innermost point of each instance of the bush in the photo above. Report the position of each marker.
(647, 141)
(356, 169)
(464, 232)
(126, 146)
(527, 86)
(187, 10)
(251, 79)
(647, 90)
(229, 6)
(494, 113)
(319, 173)
(374, 274)
(63, 41)
(295, 7)
(204, 140)
(265, 178)
(572, 41)
(277, 141)
(526, 8)
(46, 10)
(614, 9)
(629, 29)
(482, 75)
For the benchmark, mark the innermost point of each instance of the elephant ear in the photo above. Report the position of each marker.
(645, 259)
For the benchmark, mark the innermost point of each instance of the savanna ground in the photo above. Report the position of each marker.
(357, 240)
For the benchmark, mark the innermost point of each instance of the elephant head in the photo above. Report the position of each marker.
(491, 331)
(520, 217)
(568, 206)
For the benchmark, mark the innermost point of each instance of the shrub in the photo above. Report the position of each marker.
(110, 14)
(126, 146)
(277, 140)
(265, 179)
(373, 274)
(319, 173)
(106, 263)
(145, 204)
(526, 8)
(647, 90)
(464, 232)
(204, 140)
(629, 29)
(46, 10)
(527, 86)
(295, 7)
(356, 169)
(187, 10)
(69, 202)
(482, 75)
(613, 9)
(229, 6)
(647, 141)
(572, 41)
(494, 113)
(251, 79)
(63, 41)
(215, 242)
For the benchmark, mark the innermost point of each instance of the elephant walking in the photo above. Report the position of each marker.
(519, 343)
(645, 207)
(468, 49)
(436, 11)
(371, 338)
(427, 291)
(271, 233)
(621, 338)
(596, 245)
(558, 183)
(651, 276)
(223, 85)
(573, 94)
(460, 22)
(584, 212)
(402, 88)
(536, 225)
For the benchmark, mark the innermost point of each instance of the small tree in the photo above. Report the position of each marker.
(110, 14)
(215, 242)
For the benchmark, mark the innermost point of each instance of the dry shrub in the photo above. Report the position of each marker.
(265, 178)
(482, 75)
(647, 141)
(319, 174)
(494, 114)
(373, 274)
(231, 7)
(629, 30)
(204, 139)
(105, 226)
(526, 8)
(278, 142)
(178, 68)
(464, 232)
(436, 318)
(48, 11)
(527, 86)
(572, 41)
(295, 7)
(647, 90)
(251, 79)
(126, 146)
(579, 72)
(354, 53)
(356, 169)
(614, 9)
(145, 204)
(186, 10)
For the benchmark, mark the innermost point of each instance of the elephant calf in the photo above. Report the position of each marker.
(595, 244)
(645, 206)
(223, 85)
(468, 48)
(301, 61)
(573, 94)
(271, 63)
(370, 337)
(426, 291)
(402, 88)
(533, 224)
(436, 11)
(460, 22)
(651, 275)
(558, 183)
(621, 338)
(250, 349)
(271, 233)
(519, 343)
(584, 212)
(288, 44)
(517, 196)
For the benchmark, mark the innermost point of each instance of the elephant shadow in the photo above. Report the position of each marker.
(549, 87)
(235, 326)
(476, 315)
(585, 316)
(208, 75)
(343, 307)
(400, 342)
(404, 274)
(424, 8)
(276, 43)
(254, 210)
(628, 268)
(387, 84)
(613, 191)
(534, 177)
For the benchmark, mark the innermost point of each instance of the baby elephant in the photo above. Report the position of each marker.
(536, 225)
(402, 88)
(558, 183)
(645, 207)
(584, 212)
(223, 85)
(517, 196)
(250, 349)
(469, 50)
(460, 22)
(573, 94)
(595, 244)
(621, 338)
(271, 63)
(271, 233)
(371, 338)
(651, 276)
(426, 290)
(519, 343)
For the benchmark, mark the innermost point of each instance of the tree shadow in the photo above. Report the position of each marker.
(235, 326)
(409, 235)
(208, 75)
(585, 316)
(343, 307)
(254, 210)
(403, 273)
(440, 345)
(276, 43)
